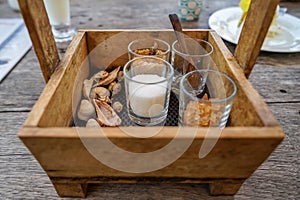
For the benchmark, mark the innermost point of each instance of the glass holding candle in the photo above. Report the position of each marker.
(148, 84)
(211, 109)
(149, 47)
(59, 16)
(196, 55)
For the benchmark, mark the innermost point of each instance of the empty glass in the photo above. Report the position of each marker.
(196, 55)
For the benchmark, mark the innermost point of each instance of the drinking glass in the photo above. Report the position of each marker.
(14, 4)
(59, 15)
(211, 109)
(149, 47)
(189, 10)
(196, 55)
(148, 84)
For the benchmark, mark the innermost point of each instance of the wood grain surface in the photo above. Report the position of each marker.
(275, 76)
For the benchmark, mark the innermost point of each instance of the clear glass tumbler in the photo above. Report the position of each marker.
(149, 47)
(59, 15)
(211, 109)
(195, 56)
(148, 82)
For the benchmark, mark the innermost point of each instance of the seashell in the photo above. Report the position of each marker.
(86, 89)
(110, 78)
(116, 88)
(117, 106)
(86, 110)
(100, 75)
(120, 76)
(92, 123)
(111, 85)
(105, 114)
(104, 99)
(99, 91)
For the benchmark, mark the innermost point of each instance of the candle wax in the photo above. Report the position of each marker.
(147, 100)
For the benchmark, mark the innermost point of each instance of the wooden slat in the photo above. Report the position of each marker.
(54, 107)
(257, 22)
(102, 43)
(38, 25)
(70, 189)
(74, 188)
(234, 156)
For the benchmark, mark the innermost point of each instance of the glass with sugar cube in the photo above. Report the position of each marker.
(148, 82)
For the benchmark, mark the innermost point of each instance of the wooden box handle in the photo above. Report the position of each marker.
(38, 25)
(255, 29)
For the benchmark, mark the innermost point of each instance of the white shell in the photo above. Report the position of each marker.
(117, 106)
(92, 123)
(86, 110)
(100, 91)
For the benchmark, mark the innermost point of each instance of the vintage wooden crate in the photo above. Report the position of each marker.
(244, 144)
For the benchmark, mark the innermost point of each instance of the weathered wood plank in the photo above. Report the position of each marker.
(10, 144)
(70, 68)
(226, 160)
(38, 25)
(277, 83)
(257, 22)
(22, 86)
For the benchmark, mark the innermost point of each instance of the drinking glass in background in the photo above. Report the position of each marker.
(149, 47)
(59, 15)
(197, 55)
(207, 110)
(14, 5)
(189, 10)
(148, 82)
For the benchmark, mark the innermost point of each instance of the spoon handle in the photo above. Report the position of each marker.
(188, 65)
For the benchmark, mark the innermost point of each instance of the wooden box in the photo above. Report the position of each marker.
(244, 144)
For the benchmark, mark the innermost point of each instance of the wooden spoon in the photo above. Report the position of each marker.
(188, 65)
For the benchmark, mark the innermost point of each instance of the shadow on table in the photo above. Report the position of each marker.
(152, 191)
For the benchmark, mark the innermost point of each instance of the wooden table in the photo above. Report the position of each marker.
(275, 76)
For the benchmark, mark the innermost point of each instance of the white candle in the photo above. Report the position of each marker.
(58, 11)
(147, 100)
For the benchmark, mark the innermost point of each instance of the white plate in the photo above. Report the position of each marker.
(225, 21)
(10, 25)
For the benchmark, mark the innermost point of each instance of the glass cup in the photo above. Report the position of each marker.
(197, 56)
(148, 84)
(14, 5)
(149, 47)
(189, 10)
(59, 15)
(205, 108)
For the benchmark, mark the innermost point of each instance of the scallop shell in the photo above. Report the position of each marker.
(99, 91)
(110, 78)
(106, 116)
